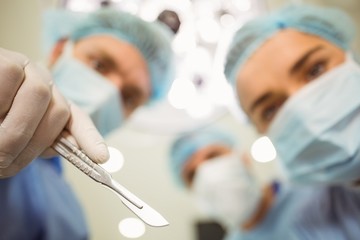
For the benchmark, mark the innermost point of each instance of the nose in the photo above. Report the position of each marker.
(294, 88)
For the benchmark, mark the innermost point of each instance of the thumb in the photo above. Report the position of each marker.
(87, 136)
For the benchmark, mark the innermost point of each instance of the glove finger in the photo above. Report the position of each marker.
(12, 76)
(87, 136)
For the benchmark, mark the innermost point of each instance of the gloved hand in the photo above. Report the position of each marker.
(33, 114)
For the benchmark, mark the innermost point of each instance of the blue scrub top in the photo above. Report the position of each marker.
(309, 213)
(37, 203)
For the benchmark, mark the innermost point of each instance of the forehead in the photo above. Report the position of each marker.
(126, 56)
(271, 62)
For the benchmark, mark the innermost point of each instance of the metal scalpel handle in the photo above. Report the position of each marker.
(93, 170)
(79, 159)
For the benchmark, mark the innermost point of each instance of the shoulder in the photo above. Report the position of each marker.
(331, 211)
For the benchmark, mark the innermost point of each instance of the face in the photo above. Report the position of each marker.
(119, 62)
(199, 157)
(280, 68)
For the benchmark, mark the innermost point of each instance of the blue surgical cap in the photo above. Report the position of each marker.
(328, 23)
(57, 24)
(189, 143)
(152, 39)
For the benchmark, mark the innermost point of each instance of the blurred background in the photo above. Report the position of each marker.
(199, 97)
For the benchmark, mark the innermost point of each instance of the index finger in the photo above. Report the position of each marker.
(87, 136)
(11, 77)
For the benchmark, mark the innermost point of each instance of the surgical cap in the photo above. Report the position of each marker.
(189, 143)
(328, 23)
(153, 40)
(57, 24)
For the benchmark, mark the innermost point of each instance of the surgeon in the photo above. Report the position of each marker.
(206, 160)
(296, 78)
(110, 64)
(207, 164)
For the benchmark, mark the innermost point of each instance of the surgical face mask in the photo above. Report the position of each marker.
(89, 90)
(317, 132)
(224, 190)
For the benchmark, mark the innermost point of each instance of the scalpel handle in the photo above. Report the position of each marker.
(81, 161)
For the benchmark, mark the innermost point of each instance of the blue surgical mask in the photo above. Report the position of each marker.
(226, 191)
(317, 131)
(89, 90)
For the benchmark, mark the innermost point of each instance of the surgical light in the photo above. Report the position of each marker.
(115, 162)
(262, 150)
(131, 228)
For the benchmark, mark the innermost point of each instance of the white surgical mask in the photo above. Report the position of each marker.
(225, 191)
(317, 132)
(89, 90)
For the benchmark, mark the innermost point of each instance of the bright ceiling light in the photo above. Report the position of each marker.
(82, 6)
(262, 150)
(115, 162)
(182, 93)
(129, 6)
(184, 42)
(227, 20)
(198, 60)
(220, 93)
(209, 29)
(200, 108)
(242, 5)
(132, 227)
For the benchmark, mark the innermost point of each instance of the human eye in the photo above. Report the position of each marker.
(212, 154)
(268, 113)
(189, 176)
(269, 110)
(99, 65)
(316, 70)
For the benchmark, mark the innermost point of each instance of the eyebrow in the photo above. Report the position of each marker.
(300, 63)
(109, 60)
(104, 55)
(260, 100)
